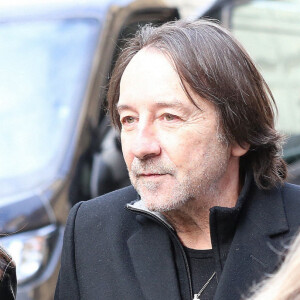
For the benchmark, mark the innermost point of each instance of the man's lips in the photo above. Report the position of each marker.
(150, 175)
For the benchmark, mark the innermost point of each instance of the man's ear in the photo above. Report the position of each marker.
(238, 150)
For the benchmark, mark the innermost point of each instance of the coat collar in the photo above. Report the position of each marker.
(140, 207)
(255, 246)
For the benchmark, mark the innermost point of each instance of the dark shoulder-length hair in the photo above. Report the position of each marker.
(211, 62)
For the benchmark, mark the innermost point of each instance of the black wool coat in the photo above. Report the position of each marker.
(111, 252)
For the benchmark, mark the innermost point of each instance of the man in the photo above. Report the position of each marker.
(211, 211)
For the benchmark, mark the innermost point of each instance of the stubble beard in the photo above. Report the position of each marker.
(150, 191)
(193, 186)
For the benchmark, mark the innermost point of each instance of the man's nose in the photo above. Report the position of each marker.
(146, 143)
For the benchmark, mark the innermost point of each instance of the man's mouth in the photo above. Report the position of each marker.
(150, 175)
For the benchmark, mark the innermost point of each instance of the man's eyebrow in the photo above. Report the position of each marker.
(178, 105)
(121, 107)
(175, 104)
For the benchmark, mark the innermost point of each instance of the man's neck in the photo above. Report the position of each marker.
(194, 232)
(191, 221)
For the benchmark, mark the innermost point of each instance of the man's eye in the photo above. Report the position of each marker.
(127, 120)
(170, 117)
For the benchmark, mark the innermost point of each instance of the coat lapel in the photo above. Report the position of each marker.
(154, 264)
(256, 244)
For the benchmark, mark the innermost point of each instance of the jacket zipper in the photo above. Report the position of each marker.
(172, 232)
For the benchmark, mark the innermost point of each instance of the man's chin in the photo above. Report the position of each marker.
(158, 198)
(161, 205)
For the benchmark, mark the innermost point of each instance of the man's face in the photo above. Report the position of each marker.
(172, 149)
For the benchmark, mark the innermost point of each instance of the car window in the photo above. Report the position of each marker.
(270, 31)
(43, 73)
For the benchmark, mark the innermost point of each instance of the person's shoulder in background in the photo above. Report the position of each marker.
(8, 279)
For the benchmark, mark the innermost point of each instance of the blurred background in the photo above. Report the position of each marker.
(56, 144)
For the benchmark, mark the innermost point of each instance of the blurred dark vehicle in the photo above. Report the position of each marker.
(56, 145)
(270, 31)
